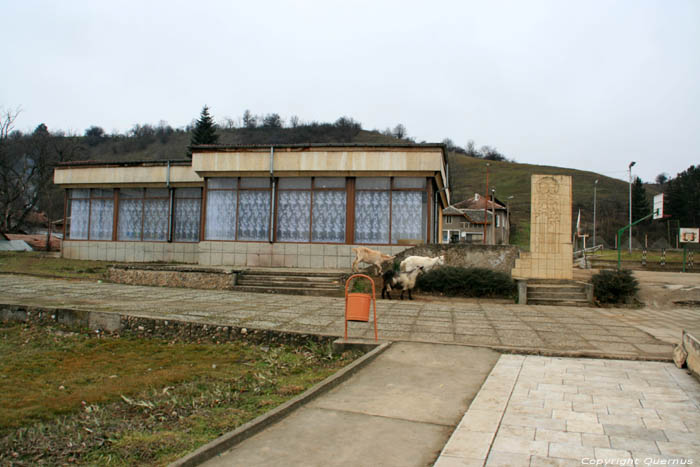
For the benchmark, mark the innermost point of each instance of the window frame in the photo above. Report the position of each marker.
(143, 200)
(238, 189)
(69, 198)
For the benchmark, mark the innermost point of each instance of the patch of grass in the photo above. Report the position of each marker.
(41, 264)
(652, 255)
(71, 397)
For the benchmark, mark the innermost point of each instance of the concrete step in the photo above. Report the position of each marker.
(291, 290)
(558, 302)
(557, 289)
(271, 282)
(560, 296)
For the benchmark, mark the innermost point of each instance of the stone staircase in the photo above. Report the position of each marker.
(558, 292)
(325, 284)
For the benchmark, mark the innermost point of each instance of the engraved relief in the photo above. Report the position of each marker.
(547, 215)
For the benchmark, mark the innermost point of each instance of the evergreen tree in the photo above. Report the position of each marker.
(204, 131)
(683, 197)
(640, 201)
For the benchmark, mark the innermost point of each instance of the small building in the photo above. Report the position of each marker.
(464, 222)
(279, 205)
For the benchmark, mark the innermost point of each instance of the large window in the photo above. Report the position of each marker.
(238, 209)
(143, 214)
(390, 211)
(188, 206)
(91, 212)
(311, 209)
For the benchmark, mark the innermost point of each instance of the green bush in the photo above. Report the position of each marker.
(614, 286)
(467, 282)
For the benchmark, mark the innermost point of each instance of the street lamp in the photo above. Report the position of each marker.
(630, 171)
(595, 188)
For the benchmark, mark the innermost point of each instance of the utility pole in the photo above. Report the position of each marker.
(486, 201)
(595, 188)
(493, 216)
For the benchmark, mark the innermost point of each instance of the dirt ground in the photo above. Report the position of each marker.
(660, 290)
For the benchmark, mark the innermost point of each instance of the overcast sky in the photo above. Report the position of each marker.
(588, 84)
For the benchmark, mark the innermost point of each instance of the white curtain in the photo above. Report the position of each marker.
(221, 215)
(254, 215)
(372, 217)
(130, 218)
(155, 220)
(187, 215)
(407, 215)
(79, 212)
(293, 216)
(329, 216)
(101, 219)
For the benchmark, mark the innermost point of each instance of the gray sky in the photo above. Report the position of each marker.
(589, 84)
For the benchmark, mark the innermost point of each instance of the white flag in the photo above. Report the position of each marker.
(578, 223)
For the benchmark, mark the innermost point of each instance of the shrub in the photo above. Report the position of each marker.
(614, 286)
(467, 282)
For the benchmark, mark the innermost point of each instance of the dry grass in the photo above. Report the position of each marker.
(42, 264)
(72, 397)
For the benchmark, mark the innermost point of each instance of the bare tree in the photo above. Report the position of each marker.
(399, 131)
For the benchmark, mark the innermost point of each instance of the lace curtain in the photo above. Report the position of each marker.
(293, 216)
(254, 215)
(407, 215)
(79, 212)
(372, 217)
(329, 216)
(155, 220)
(187, 215)
(221, 215)
(101, 219)
(130, 217)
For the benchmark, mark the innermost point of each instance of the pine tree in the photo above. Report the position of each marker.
(204, 131)
(640, 201)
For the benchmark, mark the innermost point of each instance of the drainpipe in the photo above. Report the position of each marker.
(172, 204)
(272, 193)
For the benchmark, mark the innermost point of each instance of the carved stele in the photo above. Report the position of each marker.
(551, 250)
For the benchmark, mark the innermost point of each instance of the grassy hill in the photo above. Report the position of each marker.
(513, 179)
(468, 173)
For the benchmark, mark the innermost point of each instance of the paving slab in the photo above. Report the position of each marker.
(566, 331)
(399, 410)
(535, 410)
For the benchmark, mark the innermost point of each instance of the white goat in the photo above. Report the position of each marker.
(366, 255)
(406, 280)
(426, 263)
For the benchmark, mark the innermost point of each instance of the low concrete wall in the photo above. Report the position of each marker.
(173, 276)
(496, 257)
(691, 344)
(150, 327)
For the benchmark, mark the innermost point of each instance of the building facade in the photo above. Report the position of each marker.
(466, 222)
(273, 206)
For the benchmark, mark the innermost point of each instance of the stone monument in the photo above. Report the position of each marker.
(551, 250)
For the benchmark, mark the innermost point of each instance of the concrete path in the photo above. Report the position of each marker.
(550, 330)
(542, 411)
(398, 411)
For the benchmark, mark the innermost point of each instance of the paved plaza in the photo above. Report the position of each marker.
(543, 411)
(566, 331)
(532, 410)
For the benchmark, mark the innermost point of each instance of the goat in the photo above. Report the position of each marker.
(426, 263)
(366, 255)
(407, 281)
